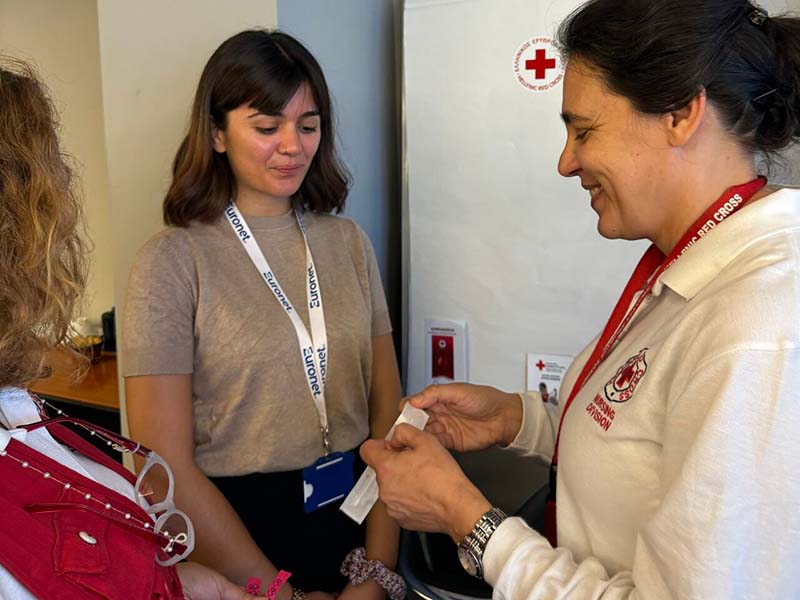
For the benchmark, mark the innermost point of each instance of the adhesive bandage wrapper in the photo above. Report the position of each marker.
(364, 494)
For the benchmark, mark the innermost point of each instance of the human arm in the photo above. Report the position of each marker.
(446, 502)
(158, 337)
(466, 417)
(462, 417)
(159, 409)
(382, 531)
(201, 583)
(727, 525)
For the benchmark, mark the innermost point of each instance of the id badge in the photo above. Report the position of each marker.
(328, 480)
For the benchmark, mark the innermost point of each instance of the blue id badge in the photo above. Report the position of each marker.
(328, 480)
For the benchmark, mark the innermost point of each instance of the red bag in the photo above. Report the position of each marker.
(59, 545)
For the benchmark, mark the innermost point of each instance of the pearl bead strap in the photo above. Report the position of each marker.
(107, 506)
(147, 526)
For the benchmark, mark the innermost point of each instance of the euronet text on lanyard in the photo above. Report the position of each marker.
(314, 347)
(651, 266)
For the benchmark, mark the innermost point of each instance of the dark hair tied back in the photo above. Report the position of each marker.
(758, 16)
(661, 54)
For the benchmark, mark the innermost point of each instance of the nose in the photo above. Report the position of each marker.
(568, 165)
(289, 142)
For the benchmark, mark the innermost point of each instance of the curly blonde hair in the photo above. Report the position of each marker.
(42, 260)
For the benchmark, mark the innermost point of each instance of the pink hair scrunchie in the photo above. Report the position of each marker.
(358, 569)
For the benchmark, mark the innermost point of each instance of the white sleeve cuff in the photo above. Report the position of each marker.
(505, 539)
(535, 422)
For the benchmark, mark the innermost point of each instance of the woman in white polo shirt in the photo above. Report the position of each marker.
(677, 460)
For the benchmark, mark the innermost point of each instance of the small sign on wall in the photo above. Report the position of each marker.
(546, 373)
(446, 356)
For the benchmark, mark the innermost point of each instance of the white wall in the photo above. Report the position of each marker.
(152, 55)
(61, 39)
(354, 42)
(123, 76)
(495, 236)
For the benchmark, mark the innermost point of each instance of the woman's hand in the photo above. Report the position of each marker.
(421, 484)
(467, 417)
(201, 583)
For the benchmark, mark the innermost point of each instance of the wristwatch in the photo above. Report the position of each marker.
(470, 549)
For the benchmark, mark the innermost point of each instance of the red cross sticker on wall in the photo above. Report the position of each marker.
(537, 64)
(540, 365)
(540, 64)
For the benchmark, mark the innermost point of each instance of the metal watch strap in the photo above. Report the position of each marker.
(474, 544)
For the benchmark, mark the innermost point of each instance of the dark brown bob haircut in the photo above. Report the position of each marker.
(263, 69)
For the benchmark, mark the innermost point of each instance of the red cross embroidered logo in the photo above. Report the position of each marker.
(621, 386)
(537, 65)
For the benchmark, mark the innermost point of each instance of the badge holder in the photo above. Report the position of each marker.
(329, 479)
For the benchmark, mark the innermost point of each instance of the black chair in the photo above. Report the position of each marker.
(429, 563)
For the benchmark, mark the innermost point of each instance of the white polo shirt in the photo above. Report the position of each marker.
(679, 463)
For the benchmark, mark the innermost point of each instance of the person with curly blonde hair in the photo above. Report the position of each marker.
(73, 523)
(42, 252)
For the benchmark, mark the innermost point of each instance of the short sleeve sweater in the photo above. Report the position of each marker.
(197, 305)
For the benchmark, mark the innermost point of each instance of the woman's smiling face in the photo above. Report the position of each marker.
(270, 155)
(618, 153)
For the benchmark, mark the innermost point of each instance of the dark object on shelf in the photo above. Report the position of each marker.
(90, 346)
(109, 331)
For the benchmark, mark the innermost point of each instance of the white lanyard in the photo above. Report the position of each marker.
(314, 347)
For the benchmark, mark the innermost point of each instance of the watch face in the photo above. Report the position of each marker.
(468, 561)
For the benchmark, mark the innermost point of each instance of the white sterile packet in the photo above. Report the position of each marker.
(364, 494)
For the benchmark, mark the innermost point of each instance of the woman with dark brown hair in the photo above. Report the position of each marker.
(257, 347)
(73, 523)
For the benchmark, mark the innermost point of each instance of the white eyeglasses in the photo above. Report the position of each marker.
(154, 490)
